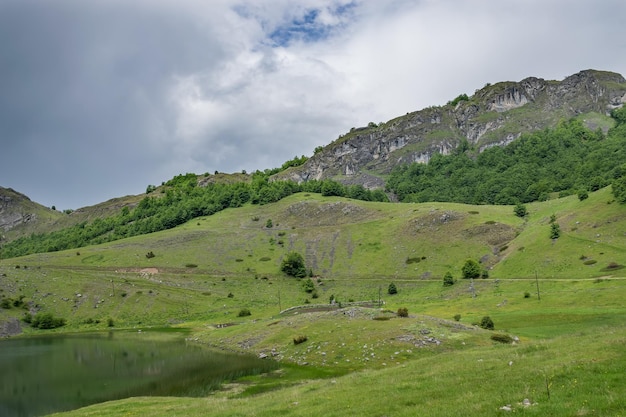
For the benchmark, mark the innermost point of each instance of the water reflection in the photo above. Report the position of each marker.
(42, 375)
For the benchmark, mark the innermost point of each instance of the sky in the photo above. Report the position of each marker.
(101, 98)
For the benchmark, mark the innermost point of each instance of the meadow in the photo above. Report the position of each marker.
(559, 300)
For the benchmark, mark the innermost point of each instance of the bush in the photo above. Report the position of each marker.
(520, 210)
(293, 265)
(6, 303)
(231, 295)
(150, 255)
(299, 339)
(269, 224)
(457, 317)
(526, 294)
(110, 323)
(471, 269)
(392, 289)
(244, 312)
(555, 231)
(448, 279)
(486, 323)
(583, 195)
(308, 285)
(403, 312)
(46, 321)
(502, 338)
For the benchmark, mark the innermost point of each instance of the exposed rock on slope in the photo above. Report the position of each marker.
(14, 209)
(495, 115)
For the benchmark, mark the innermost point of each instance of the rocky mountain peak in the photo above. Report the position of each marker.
(494, 116)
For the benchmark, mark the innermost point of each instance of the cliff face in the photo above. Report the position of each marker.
(494, 116)
(12, 212)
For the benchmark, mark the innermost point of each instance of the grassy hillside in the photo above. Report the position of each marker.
(569, 358)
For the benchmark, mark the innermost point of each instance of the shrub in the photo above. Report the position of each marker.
(457, 317)
(502, 338)
(110, 322)
(46, 321)
(520, 210)
(590, 262)
(583, 195)
(487, 323)
(314, 294)
(231, 295)
(191, 265)
(413, 260)
(448, 279)
(265, 259)
(244, 312)
(150, 255)
(308, 285)
(555, 231)
(299, 339)
(392, 289)
(526, 294)
(613, 266)
(293, 265)
(6, 303)
(403, 312)
(269, 224)
(471, 269)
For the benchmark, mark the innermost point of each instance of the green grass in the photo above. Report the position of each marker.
(571, 338)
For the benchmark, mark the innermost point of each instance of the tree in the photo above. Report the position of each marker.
(487, 323)
(471, 269)
(520, 210)
(293, 265)
(448, 279)
(555, 231)
(308, 285)
(583, 195)
(392, 289)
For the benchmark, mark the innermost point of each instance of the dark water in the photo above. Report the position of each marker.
(42, 375)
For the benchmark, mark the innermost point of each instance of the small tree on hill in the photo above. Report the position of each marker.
(520, 210)
(293, 265)
(487, 323)
(448, 279)
(392, 289)
(471, 269)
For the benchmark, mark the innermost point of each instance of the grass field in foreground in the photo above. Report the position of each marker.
(567, 312)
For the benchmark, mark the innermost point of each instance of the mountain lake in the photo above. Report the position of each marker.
(46, 374)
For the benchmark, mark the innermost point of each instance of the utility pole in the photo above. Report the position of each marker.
(537, 281)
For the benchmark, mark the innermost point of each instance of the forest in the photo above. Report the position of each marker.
(565, 160)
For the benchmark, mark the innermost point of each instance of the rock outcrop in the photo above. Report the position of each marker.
(494, 116)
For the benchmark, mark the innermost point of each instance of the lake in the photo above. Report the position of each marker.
(46, 374)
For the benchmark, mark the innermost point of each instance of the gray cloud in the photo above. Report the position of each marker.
(99, 99)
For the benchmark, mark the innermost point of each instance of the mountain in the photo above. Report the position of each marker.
(18, 211)
(494, 116)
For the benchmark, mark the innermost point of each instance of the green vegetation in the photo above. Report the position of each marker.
(471, 269)
(562, 160)
(293, 265)
(575, 332)
(392, 289)
(181, 200)
(448, 279)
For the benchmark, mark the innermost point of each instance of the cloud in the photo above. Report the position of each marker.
(101, 98)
